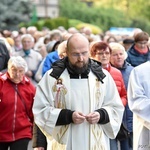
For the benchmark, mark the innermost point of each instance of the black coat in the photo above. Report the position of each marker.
(4, 56)
(39, 139)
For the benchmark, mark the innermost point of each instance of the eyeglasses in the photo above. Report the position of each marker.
(80, 54)
(102, 53)
(17, 71)
(142, 43)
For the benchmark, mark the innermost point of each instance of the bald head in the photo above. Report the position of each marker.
(77, 40)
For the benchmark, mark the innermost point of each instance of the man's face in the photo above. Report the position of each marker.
(27, 43)
(78, 55)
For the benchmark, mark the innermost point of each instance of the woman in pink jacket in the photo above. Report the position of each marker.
(16, 100)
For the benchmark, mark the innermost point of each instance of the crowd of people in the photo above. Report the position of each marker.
(70, 89)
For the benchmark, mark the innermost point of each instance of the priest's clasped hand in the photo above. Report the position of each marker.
(79, 117)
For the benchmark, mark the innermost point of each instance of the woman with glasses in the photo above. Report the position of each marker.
(139, 52)
(101, 52)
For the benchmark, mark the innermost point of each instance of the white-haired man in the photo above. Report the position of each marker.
(32, 57)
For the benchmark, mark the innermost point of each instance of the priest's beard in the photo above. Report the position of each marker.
(79, 70)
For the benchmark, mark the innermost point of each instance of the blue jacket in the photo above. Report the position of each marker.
(128, 115)
(135, 58)
(49, 60)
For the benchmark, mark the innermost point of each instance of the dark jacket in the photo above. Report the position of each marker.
(128, 115)
(4, 56)
(39, 139)
(135, 58)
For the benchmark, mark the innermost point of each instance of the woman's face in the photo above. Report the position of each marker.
(16, 74)
(117, 58)
(103, 56)
(141, 44)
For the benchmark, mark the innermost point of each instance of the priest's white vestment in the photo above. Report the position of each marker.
(84, 95)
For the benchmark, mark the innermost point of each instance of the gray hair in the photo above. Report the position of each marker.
(17, 61)
(27, 36)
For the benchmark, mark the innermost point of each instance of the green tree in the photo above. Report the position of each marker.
(139, 8)
(108, 13)
(132, 8)
(12, 12)
(100, 16)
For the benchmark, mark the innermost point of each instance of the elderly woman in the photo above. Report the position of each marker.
(16, 100)
(118, 60)
(101, 52)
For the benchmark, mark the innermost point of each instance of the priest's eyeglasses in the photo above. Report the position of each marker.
(80, 54)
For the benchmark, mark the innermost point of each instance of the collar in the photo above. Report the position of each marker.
(108, 67)
(124, 65)
(27, 52)
(6, 76)
(143, 51)
(60, 65)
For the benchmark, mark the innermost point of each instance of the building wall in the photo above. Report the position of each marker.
(47, 8)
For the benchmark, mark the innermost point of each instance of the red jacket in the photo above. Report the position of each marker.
(117, 76)
(15, 120)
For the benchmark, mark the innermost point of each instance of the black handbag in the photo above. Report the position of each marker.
(123, 133)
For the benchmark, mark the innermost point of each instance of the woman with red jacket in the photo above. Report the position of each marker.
(16, 100)
(101, 52)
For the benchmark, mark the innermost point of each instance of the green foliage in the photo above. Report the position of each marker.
(142, 24)
(69, 7)
(103, 13)
(40, 24)
(74, 22)
(13, 12)
(108, 17)
(99, 16)
(140, 9)
(112, 14)
(49, 23)
(61, 21)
